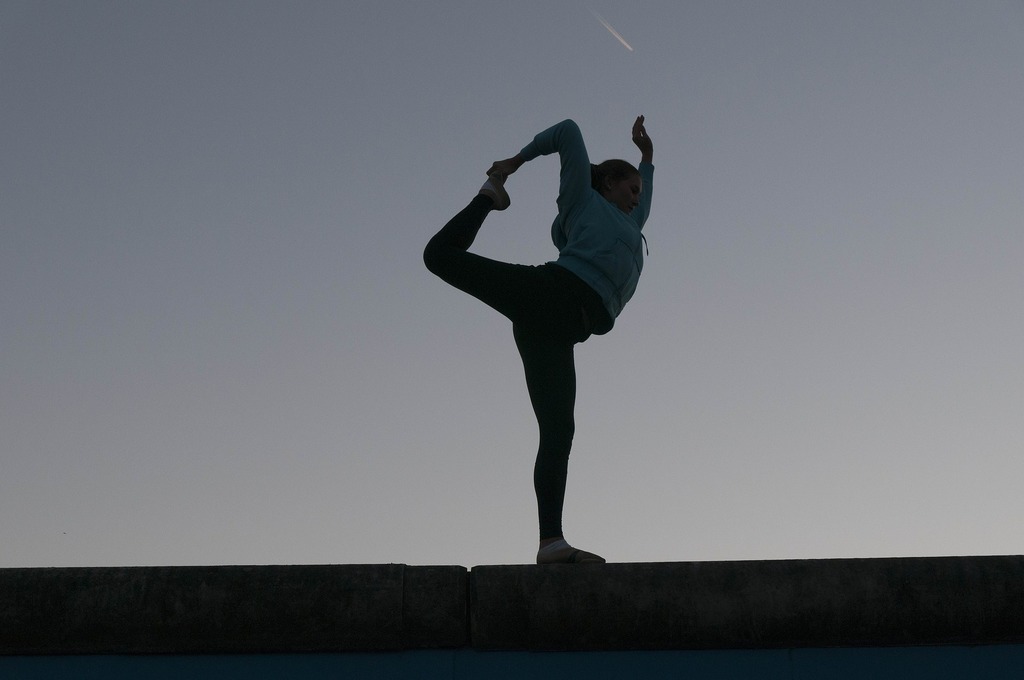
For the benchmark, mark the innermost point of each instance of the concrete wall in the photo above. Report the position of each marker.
(953, 616)
(190, 610)
(750, 605)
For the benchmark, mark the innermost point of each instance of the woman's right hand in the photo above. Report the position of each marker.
(506, 167)
(643, 140)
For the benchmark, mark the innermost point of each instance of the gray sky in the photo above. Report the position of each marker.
(219, 344)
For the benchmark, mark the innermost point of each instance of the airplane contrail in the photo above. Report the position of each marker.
(611, 30)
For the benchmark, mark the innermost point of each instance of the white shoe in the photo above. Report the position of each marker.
(494, 188)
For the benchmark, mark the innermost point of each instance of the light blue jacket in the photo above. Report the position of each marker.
(595, 240)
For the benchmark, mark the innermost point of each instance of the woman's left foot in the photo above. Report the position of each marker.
(494, 188)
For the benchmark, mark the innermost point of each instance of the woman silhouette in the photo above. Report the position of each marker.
(601, 211)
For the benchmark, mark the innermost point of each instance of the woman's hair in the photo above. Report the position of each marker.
(613, 169)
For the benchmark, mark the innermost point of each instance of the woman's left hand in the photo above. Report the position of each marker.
(643, 140)
(506, 167)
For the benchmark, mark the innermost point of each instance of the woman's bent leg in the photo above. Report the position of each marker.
(456, 236)
(505, 287)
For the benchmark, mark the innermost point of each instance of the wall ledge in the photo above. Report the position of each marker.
(653, 606)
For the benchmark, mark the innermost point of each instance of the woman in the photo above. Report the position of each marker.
(601, 210)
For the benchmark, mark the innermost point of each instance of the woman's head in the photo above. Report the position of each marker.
(619, 182)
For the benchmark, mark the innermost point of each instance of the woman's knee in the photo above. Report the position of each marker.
(430, 257)
(557, 436)
(436, 256)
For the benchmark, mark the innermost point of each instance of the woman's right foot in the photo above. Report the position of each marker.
(561, 552)
(494, 188)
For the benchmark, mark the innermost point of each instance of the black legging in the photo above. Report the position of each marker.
(551, 310)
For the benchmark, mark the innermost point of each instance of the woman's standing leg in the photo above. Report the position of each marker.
(551, 380)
